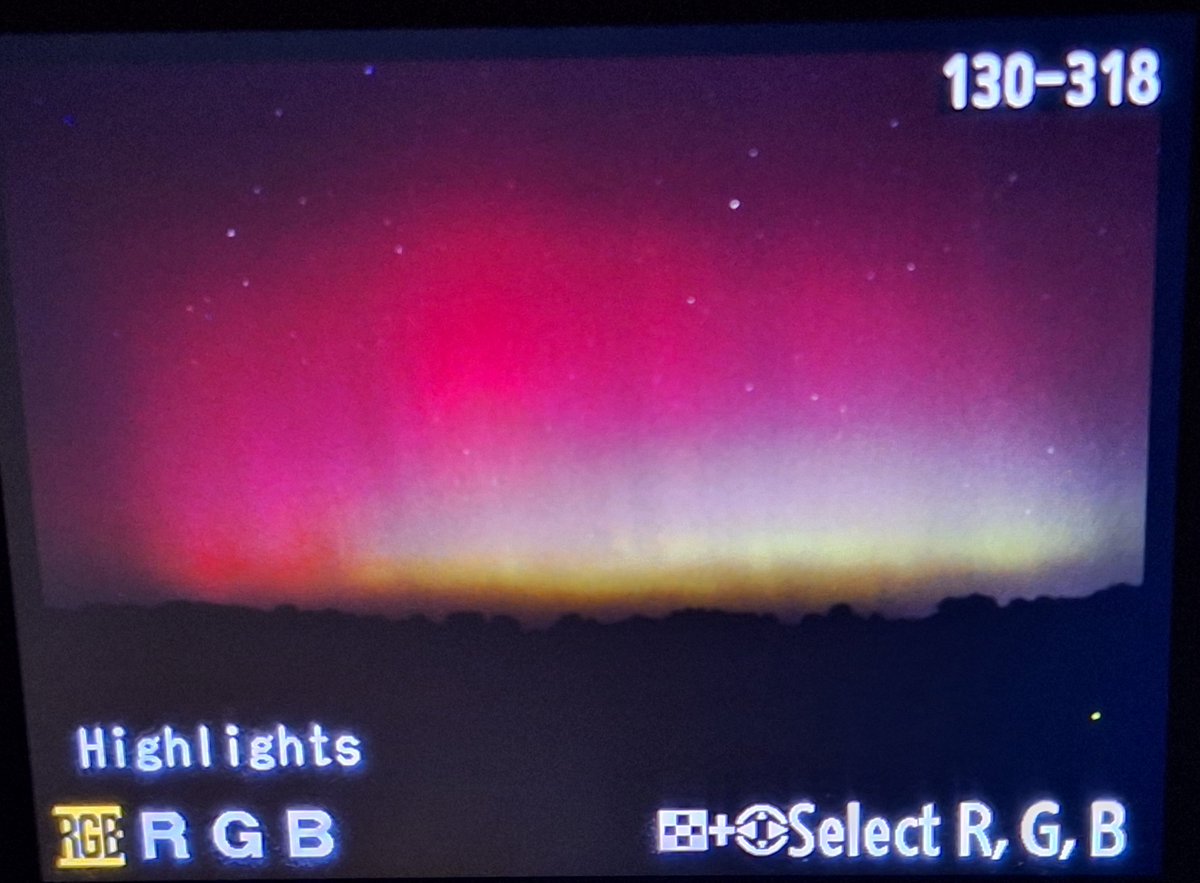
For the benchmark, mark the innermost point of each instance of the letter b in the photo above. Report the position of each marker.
(1108, 822)
(308, 833)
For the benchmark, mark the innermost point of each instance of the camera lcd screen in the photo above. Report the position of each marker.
(648, 451)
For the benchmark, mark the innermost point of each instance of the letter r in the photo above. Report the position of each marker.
(167, 826)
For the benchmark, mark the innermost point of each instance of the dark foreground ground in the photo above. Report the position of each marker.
(492, 749)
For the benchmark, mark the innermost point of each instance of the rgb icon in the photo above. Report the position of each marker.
(90, 836)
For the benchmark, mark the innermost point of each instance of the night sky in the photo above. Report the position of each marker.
(606, 336)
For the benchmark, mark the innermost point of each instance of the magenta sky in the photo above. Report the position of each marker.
(606, 335)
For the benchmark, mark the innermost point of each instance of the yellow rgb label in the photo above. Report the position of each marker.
(90, 836)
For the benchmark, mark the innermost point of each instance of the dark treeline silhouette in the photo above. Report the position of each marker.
(493, 748)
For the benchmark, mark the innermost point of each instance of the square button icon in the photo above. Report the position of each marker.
(682, 830)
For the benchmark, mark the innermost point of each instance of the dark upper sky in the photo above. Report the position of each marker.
(601, 335)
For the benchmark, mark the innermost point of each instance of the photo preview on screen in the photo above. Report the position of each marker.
(596, 451)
